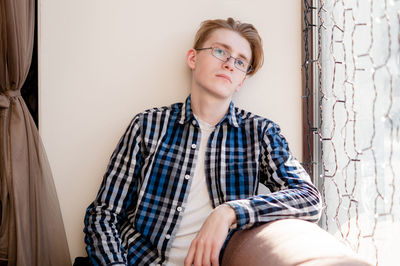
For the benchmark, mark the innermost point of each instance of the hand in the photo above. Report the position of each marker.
(206, 246)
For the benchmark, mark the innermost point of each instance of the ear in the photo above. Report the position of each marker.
(240, 84)
(191, 58)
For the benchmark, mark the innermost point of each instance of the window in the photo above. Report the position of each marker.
(352, 111)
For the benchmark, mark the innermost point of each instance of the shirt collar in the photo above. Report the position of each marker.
(230, 116)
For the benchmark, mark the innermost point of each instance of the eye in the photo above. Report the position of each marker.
(240, 63)
(219, 51)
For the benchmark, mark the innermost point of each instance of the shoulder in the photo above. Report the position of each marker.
(247, 118)
(159, 115)
(173, 108)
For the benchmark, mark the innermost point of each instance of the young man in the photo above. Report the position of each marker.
(184, 178)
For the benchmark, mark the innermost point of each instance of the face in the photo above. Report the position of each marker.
(213, 76)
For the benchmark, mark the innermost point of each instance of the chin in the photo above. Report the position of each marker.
(223, 95)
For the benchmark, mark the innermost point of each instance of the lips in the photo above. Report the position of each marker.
(224, 77)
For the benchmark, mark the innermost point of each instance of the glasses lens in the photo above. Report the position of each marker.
(241, 65)
(220, 54)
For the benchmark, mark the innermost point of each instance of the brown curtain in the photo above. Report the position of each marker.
(31, 225)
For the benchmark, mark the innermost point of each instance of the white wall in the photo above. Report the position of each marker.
(101, 62)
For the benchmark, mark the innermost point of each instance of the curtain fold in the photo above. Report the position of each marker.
(31, 226)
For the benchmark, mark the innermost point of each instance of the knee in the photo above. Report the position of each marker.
(287, 242)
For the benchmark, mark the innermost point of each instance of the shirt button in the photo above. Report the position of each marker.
(194, 146)
(179, 209)
(168, 236)
(187, 177)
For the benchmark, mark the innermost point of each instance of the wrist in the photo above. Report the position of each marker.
(228, 213)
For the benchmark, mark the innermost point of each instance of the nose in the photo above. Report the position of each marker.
(229, 64)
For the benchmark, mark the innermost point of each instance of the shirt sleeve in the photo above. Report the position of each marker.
(293, 194)
(117, 192)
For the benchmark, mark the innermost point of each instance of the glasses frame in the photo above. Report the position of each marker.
(249, 68)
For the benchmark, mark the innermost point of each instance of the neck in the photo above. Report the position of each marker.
(207, 108)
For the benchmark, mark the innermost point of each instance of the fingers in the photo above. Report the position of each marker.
(198, 258)
(190, 256)
(206, 255)
(215, 257)
(203, 253)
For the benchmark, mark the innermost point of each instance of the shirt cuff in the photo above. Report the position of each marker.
(242, 212)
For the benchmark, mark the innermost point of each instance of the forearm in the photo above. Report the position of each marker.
(104, 245)
(303, 203)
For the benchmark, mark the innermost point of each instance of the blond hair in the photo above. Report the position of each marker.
(246, 30)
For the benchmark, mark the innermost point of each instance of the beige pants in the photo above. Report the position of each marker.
(288, 242)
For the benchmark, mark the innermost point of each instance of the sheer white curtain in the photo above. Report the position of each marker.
(358, 124)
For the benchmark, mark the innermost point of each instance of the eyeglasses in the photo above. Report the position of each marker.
(224, 56)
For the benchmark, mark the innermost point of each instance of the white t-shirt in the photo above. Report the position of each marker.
(198, 205)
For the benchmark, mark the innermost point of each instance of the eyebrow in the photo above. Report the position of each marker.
(230, 49)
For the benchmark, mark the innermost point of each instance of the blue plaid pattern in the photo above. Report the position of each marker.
(142, 198)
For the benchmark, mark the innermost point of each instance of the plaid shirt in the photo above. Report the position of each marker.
(142, 198)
